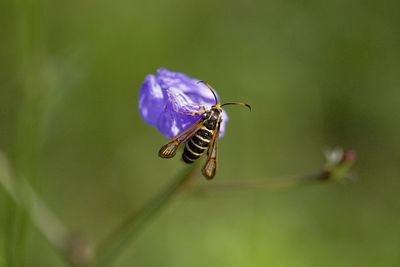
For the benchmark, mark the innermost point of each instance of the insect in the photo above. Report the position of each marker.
(201, 137)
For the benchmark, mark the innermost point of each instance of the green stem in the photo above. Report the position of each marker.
(78, 253)
(337, 169)
(259, 184)
(113, 245)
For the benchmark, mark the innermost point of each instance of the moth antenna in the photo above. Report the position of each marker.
(211, 89)
(237, 103)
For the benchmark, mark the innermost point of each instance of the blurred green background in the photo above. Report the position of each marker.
(317, 74)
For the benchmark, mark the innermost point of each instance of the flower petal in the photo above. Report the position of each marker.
(151, 100)
(167, 99)
(198, 92)
(181, 102)
(225, 119)
(175, 117)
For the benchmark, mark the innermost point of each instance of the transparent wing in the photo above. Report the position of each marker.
(210, 167)
(169, 149)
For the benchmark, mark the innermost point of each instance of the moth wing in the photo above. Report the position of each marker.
(210, 167)
(169, 149)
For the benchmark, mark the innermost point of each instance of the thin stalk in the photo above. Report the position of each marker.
(260, 184)
(337, 168)
(114, 244)
(79, 253)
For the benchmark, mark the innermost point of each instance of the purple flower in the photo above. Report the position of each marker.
(166, 99)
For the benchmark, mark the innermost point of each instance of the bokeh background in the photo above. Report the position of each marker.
(317, 74)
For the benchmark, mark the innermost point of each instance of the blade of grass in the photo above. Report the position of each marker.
(29, 38)
(29, 202)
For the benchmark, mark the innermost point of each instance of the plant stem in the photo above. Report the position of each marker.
(259, 184)
(113, 245)
(78, 253)
(336, 169)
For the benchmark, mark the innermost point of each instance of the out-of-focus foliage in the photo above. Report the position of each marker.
(317, 74)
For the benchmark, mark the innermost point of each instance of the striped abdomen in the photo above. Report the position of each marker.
(198, 144)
